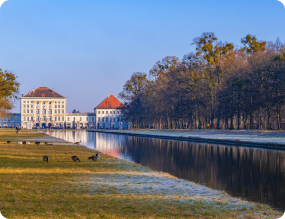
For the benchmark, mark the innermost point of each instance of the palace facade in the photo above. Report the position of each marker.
(45, 108)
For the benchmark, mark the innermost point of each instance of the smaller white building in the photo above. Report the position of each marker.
(109, 114)
(12, 121)
(80, 120)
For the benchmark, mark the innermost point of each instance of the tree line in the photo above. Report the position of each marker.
(216, 86)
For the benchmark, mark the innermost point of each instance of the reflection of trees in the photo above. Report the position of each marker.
(256, 174)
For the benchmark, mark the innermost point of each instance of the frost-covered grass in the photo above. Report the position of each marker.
(107, 188)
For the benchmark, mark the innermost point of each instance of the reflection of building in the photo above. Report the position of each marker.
(43, 107)
(80, 120)
(12, 121)
(109, 114)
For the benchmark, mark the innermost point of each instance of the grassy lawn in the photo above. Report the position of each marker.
(108, 188)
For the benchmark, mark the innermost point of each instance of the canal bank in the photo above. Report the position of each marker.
(251, 138)
(109, 187)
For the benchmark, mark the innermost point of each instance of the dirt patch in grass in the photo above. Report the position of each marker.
(107, 188)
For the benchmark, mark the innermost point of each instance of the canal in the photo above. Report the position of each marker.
(253, 174)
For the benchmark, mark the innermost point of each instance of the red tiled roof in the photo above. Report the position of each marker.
(42, 92)
(110, 102)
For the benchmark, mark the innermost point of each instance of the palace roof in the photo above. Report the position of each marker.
(110, 102)
(43, 92)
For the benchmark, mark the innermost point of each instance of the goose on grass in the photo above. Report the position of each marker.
(94, 158)
(75, 158)
(45, 158)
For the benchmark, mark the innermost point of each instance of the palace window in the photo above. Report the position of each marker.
(27, 106)
(98, 112)
(24, 106)
(28, 111)
(38, 118)
(32, 106)
(49, 102)
(114, 112)
(102, 112)
(62, 118)
(49, 118)
(24, 111)
(99, 119)
(28, 118)
(106, 112)
(58, 118)
(44, 111)
(55, 106)
(50, 111)
(62, 106)
(38, 102)
(37, 111)
(80, 119)
(102, 119)
(32, 118)
(32, 111)
(93, 119)
(107, 119)
(62, 111)
(110, 112)
(55, 118)
(68, 119)
(44, 118)
(55, 111)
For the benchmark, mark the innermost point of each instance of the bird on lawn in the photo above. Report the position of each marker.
(45, 158)
(8, 142)
(94, 158)
(37, 142)
(49, 144)
(24, 142)
(20, 142)
(28, 142)
(75, 158)
(78, 142)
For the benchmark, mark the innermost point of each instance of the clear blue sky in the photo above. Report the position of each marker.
(87, 49)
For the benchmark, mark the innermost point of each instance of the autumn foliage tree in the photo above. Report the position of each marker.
(8, 90)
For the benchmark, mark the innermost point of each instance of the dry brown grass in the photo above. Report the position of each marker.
(31, 188)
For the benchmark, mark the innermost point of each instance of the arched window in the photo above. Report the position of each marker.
(43, 111)
(50, 111)
(37, 111)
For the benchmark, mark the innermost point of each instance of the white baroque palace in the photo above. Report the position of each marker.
(44, 108)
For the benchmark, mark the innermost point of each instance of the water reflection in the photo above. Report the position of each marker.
(252, 173)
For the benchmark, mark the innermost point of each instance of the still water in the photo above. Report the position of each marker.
(251, 173)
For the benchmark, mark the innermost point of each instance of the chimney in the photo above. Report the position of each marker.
(33, 89)
(29, 91)
(53, 90)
